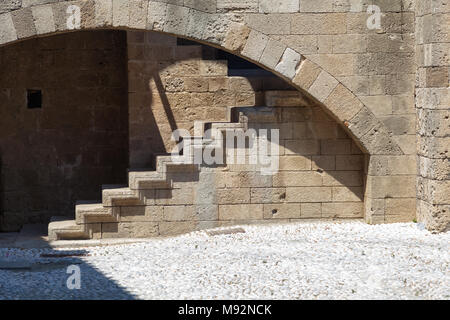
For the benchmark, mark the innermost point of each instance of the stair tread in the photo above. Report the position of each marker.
(91, 207)
(65, 225)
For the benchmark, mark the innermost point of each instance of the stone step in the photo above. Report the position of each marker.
(59, 229)
(90, 214)
(94, 213)
(117, 195)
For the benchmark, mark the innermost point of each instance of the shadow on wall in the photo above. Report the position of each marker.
(169, 91)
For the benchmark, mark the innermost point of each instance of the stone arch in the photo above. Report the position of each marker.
(225, 31)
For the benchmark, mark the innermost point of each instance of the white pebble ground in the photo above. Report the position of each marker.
(350, 260)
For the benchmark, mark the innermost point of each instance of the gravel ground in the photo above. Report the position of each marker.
(295, 261)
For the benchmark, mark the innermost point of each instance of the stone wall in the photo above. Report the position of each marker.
(432, 103)
(64, 152)
(364, 76)
(321, 176)
(171, 86)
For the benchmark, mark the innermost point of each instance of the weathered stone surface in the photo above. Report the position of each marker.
(272, 53)
(346, 63)
(156, 15)
(323, 86)
(236, 37)
(285, 6)
(23, 20)
(121, 13)
(138, 14)
(241, 212)
(43, 19)
(256, 43)
(307, 73)
(282, 211)
(343, 103)
(129, 230)
(103, 13)
(288, 63)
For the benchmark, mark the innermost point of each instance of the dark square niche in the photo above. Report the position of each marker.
(34, 99)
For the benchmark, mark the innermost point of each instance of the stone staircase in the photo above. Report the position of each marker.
(89, 216)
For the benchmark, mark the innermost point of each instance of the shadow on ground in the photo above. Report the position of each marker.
(31, 269)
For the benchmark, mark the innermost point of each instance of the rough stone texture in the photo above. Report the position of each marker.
(43, 19)
(432, 89)
(8, 32)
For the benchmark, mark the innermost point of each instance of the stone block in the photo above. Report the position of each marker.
(236, 37)
(138, 14)
(202, 5)
(121, 13)
(233, 196)
(156, 18)
(172, 228)
(43, 19)
(349, 43)
(246, 180)
(288, 63)
(362, 122)
(289, 163)
(392, 165)
(272, 53)
(256, 43)
(241, 212)
(268, 24)
(400, 124)
(437, 169)
(404, 210)
(182, 196)
(23, 21)
(213, 67)
(308, 194)
(343, 210)
(433, 147)
(103, 13)
(179, 213)
(378, 141)
(268, 195)
(129, 230)
(436, 218)
(380, 105)
(177, 19)
(307, 73)
(282, 211)
(347, 194)
(297, 179)
(342, 178)
(391, 186)
(318, 23)
(320, 163)
(302, 147)
(207, 212)
(349, 162)
(343, 103)
(141, 213)
(335, 147)
(315, 6)
(323, 86)
(311, 210)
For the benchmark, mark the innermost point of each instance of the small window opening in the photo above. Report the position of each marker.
(34, 99)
